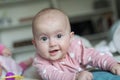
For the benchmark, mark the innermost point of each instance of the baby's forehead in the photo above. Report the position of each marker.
(48, 15)
(51, 11)
(52, 16)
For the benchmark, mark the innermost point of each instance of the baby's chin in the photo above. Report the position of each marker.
(56, 58)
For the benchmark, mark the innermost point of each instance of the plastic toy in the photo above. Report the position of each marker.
(12, 76)
(9, 75)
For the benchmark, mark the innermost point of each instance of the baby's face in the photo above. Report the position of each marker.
(52, 37)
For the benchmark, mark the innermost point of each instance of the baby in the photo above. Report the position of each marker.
(7, 64)
(61, 56)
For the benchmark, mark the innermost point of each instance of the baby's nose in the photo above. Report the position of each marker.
(52, 42)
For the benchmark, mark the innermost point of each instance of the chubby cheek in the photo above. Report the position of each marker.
(65, 45)
(42, 50)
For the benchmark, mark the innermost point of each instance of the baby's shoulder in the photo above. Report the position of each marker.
(76, 41)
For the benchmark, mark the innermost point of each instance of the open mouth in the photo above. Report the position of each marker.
(53, 52)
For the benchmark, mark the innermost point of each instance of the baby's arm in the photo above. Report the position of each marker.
(97, 59)
(84, 75)
(49, 72)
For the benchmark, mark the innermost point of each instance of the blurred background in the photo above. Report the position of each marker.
(91, 19)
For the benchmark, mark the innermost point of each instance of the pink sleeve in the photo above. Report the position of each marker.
(97, 59)
(1, 48)
(89, 56)
(49, 72)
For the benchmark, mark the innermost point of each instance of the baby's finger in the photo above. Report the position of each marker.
(118, 72)
(90, 76)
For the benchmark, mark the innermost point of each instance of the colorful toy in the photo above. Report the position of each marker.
(12, 76)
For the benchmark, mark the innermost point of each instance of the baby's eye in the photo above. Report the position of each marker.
(59, 35)
(44, 38)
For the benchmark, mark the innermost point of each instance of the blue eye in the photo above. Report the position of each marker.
(59, 36)
(44, 38)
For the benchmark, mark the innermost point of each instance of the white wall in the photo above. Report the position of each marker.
(16, 12)
(76, 7)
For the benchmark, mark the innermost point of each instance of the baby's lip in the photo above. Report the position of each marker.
(53, 52)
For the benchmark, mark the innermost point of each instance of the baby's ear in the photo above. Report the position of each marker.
(71, 35)
(33, 42)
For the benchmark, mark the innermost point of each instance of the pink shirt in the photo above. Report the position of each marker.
(76, 60)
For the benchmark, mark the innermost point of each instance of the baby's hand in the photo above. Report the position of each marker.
(116, 69)
(6, 52)
(84, 75)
